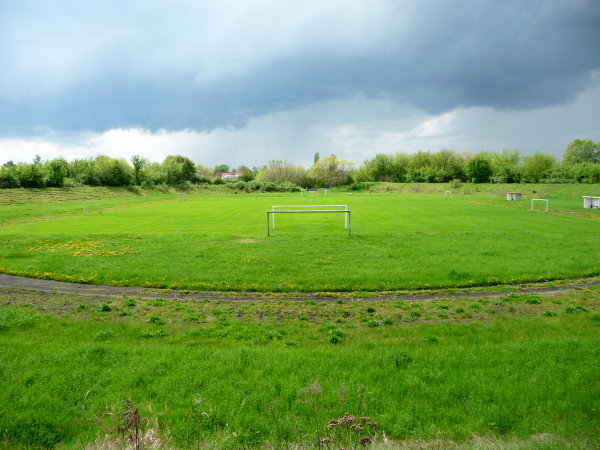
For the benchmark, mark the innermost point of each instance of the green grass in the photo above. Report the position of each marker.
(218, 242)
(267, 374)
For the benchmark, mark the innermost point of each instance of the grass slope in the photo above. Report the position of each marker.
(519, 369)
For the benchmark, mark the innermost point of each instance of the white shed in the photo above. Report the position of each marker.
(513, 196)
(591, 202)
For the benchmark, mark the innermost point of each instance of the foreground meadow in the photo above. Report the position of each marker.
(217, 241)
(517, 370)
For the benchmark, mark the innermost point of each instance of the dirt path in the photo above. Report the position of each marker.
(14, 283)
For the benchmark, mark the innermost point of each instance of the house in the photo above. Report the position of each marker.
(227, 175)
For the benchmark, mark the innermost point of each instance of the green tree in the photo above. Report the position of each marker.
(32, 175)
(279, 171)
(112, 172)
(506, 166)
(82, 171)
(246, 173)
(139, 163)
(330, 171)
(178, 169)
(57, 171)
(221, 168)
(203, 171)
(580, 151)
(8, 176)
(479, 169)
(536, 166)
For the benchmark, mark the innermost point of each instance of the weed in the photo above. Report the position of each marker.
(153, 334)
(131, 423)
(350, 432)
(570, 309)
(335, 335)
(104, 335)
(548, 314)
(129, 303)
(155, 320)
(533, 300)
(105, 308)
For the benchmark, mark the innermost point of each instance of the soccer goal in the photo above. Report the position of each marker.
(89, 204)
(448, 194)
(539, 200)
(308, 209)
(313, 191)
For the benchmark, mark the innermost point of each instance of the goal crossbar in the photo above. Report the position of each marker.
(274, 207)
(90, 202)
(312, 191)
(539, 200)
(347, 213)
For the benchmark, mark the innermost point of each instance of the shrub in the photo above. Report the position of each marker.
(570, 309)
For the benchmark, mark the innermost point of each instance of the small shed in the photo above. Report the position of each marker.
(513, 196)
(591, 202)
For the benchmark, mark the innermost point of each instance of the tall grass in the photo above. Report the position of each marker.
(241, 376)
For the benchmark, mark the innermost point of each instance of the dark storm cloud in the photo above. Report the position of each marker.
(434, 55)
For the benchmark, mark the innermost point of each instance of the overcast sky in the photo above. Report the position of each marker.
(247, 81)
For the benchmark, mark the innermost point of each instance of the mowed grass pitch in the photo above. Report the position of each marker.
(219, 242)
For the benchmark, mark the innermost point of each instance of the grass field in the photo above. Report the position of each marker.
(406, 240)
(516, 371)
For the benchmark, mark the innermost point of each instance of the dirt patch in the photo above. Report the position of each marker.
(246, 241)
(61, 287)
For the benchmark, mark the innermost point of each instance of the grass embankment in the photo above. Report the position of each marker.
(518, 370)
(218, 242)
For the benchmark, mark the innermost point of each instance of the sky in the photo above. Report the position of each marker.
(248, 81)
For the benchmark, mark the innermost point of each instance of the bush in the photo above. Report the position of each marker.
(361, 186)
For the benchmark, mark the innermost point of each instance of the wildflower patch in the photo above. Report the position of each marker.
(82, 248)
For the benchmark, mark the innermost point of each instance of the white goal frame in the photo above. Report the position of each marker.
(448, 194)
(346, 212)
(344, 207)
(538, 200)
(90, 202)
(312, 191)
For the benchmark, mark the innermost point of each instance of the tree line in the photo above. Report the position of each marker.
(580, 164)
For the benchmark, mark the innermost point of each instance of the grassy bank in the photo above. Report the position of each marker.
(519, 368)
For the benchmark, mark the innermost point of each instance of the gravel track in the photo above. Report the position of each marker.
(14, 283)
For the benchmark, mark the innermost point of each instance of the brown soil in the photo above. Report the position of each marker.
(51, 286)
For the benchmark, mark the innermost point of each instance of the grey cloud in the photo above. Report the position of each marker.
(433, 55)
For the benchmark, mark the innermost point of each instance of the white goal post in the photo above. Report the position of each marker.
(448, 194)
(538, 200)
(312, 191)
(343, 207)
(345, 211)
(90, 202)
